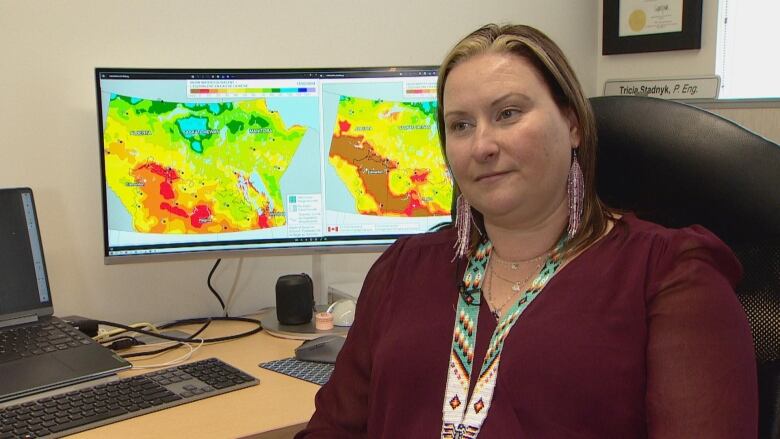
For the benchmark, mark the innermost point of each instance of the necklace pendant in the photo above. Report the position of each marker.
(516, 287)
(515, 266)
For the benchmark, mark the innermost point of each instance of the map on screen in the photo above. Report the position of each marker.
(199, 168)
(251, 160)
(386, 154)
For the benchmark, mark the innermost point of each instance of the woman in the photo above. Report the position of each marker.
(553, 316)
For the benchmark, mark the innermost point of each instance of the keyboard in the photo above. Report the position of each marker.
(79, 410)
(39, 338)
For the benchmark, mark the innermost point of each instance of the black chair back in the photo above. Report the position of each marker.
(677, 165)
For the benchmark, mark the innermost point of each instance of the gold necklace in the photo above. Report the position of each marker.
(516, 287)
(517, 284)
(496, 311)
(515, 265)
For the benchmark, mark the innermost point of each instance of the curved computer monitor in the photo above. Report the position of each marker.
(285, 161)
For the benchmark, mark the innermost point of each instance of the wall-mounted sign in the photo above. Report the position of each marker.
(700, 87)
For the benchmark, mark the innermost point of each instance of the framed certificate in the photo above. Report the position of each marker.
(633, 26)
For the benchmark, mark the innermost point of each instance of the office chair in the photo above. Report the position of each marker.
(677, 165)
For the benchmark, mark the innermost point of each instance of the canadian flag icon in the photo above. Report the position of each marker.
(333, 228)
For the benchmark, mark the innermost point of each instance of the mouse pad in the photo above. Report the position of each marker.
(313, 372)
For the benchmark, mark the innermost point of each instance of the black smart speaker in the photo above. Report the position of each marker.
(294, 299)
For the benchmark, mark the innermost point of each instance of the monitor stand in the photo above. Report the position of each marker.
(318, 283)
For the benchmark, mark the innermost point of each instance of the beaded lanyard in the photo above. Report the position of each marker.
(462, 419)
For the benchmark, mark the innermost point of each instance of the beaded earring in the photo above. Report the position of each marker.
(575, 187)
(463, 227)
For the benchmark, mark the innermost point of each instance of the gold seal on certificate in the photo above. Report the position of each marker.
(646, 17)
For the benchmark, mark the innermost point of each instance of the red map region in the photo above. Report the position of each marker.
(174, 210)
(262, 221)
(420, 175)
(414, 204)
(162, 200)
(166, 190)
(200, 215)
(169, 174)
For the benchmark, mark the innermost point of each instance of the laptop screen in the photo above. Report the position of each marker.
(23, 283)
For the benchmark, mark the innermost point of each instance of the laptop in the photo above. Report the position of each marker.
(38, 352)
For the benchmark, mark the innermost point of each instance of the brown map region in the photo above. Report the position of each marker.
(374, 172)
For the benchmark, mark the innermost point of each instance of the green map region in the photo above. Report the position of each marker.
(387, 154)
(198, 168)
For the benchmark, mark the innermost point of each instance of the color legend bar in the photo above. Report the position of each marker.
(420, 91)
(199, 91)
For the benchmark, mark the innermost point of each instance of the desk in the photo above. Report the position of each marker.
(276, 403)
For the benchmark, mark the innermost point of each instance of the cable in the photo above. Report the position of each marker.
(123, 342)
(232, 290)
(163, 346)
(213, 291)
(227, 319)
(128, 341)
(192, 322)
(181, 359)
(202, 328)
(170, 346)
(108, 335)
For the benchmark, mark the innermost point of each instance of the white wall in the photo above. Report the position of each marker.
(48, 50)
(662, 64)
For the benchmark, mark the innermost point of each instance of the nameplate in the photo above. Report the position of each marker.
(700, 87)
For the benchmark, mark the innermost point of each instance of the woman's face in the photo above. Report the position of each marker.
(508, 143)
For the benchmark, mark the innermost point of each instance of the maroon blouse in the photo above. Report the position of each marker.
(641, 336)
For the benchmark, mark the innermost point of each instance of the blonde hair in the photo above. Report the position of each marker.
(548, 59)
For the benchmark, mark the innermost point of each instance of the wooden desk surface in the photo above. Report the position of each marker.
(277, 402)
